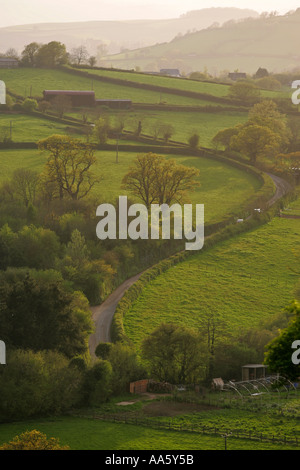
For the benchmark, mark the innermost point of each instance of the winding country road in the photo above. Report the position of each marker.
(102, 315)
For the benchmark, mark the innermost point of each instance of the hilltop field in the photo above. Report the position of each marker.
(242, 281)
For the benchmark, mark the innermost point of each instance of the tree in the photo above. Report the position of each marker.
(92, 60)
(244, 92)
(96, 388)
(224, 136)
(256, 141)
(279, 352)
(79, 55)
(12, 53)
(166, 131)
(29, 54)
(269, 83)
(174, 354)
(24, 184)
(68, 167)
(101, 130)
(103, 350)
(266, 114)
(52, 54)
(44, 106)
(194, 141)
(38, 383)
(125, 367)
(40, 315)
(155, 179)
(289, 162)
(33, 440)
(61, 104)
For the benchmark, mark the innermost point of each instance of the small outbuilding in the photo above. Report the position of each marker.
(237, 76)
(170, 72)
(78, 98)
(253, 371)
(8, 63)
(115, 104)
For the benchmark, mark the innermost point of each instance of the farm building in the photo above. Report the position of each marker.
(170, 72)
(78, 98)
(237, 76)
(115, 104)
(8, 63)
(253, 371)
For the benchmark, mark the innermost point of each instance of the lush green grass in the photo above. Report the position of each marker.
(242, 281)
(214, 89)
(23, 81)
(26, 128)
(218, 181)
(206, 125)
(89, 434)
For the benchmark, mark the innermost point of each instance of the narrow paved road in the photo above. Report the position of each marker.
(282, 188)
(102, 315)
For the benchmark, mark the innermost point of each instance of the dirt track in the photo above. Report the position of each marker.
(102, 315)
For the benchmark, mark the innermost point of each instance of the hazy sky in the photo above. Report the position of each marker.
(15, 12)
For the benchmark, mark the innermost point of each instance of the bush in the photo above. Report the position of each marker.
(29, 105)
(96, 387)
(33, 440)
(34, 384)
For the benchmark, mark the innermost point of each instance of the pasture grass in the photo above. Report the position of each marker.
(243, 281)
(26, 81)
(218, 181)
(89, 434)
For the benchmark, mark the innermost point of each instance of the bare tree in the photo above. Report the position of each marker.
(79, 55)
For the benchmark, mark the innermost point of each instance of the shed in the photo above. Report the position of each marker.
(115, 104)
(253, 371)
(170, 72)
(140, 386)
(78, 98)
(237, 75)
(8, 63)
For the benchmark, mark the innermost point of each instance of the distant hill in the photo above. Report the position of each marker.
(246, 45)
(117, 34)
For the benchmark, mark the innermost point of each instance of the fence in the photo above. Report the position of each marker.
(203, 430)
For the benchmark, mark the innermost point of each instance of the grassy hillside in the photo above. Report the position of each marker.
(243, 281)
(25, 81)
(248, 45)
(219, 182)
(114, 34)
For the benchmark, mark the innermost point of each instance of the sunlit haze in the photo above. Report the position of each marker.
(18, 12)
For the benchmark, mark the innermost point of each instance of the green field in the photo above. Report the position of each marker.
(176, 83)
(25, 128)
(215, 89)
(206, 125)
(242, 281)
(218, 181)
(34, 81)
(89, 434)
